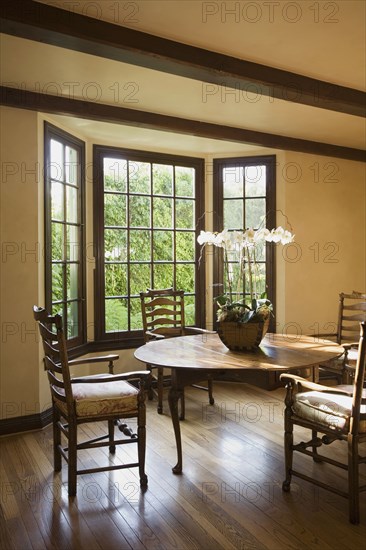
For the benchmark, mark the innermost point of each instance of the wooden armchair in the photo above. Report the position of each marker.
(337, 412)
(351, 311)
(95, 398)
(163, 316)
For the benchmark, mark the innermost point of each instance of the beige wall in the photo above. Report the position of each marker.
(325, 201)
(21, 261)
(323, 198)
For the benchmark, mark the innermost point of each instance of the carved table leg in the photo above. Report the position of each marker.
(173, 398)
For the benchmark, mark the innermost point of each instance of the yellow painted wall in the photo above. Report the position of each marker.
(323, 198)
(22, 255)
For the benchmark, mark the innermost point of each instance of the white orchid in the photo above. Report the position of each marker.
(240, 247)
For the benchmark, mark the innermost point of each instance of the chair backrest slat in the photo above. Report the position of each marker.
(352, 310)
(56, 356)
(163, 312)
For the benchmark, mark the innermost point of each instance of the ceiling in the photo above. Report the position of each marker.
(322, 40)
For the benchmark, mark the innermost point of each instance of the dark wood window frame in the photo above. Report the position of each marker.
(133, 338)
(270, 162)
(52, 132)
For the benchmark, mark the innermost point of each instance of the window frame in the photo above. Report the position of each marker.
(53, 132)
(218, 203)
(133, 338)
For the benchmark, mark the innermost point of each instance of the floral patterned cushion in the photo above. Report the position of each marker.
(97, 399)
(327, 409)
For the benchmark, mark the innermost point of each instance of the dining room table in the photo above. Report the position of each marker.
(192, 358)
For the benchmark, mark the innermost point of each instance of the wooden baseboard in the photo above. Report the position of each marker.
(25, 423)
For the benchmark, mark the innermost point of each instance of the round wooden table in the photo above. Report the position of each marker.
(192, 358)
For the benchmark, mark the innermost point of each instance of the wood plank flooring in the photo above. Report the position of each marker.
(228, 497)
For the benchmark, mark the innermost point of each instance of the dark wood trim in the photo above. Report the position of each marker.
(270, 162)
(34, 101)
(132, 339)
(51, 131)
(25, 423)
(62, 28)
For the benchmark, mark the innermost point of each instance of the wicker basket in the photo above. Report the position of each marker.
(242, 336)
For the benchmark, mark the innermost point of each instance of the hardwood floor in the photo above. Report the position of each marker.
(228, 497)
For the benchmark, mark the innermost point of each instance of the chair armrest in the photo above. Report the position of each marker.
(154, 336)
(99, 359)
(298, 381)
(133, 375)
(347, 347)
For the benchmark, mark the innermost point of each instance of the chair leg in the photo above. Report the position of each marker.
(57, 459)
(288, 443)
(160, 389)
(210, 391)
(72, 455)
(353, 482)
(112, 447)
(141, 439)
(314, 435)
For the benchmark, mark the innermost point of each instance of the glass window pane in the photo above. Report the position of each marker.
(184, 181)
(190, 310)
(135, 314)
(259, 278)
(116, 280)
(71, 165)
(255, 181)
(72, 319)
(185, 246)
(163, 276)
(255, 213)
(57, 230)
(115, 245)
(57, 201)
(72, 271)
(162, 179)
(140, 278)
(71, 204)
(163, 245)
(57, 160)
(260, 252)
(116, 315)
(115, 175)
(185, 277)
(140, 245)
(58, 309)
(139, 177)
(233, 181)
(233, 214)
(140, 211)
(163, 213)
(72, 243)
(184, 212)
(57, 283)
(115, 213)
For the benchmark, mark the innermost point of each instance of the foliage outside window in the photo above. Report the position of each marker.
(147, 211)
(244, 197)
(64, 225)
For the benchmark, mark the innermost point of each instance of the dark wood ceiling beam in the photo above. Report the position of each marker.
(34, 101)
(51, 25)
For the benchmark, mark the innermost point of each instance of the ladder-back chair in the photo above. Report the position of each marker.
(351, 312)
(105, 397)
(337, 412)
(163, 316)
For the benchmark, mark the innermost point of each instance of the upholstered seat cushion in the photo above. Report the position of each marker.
(104, 398)
(329, 410)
